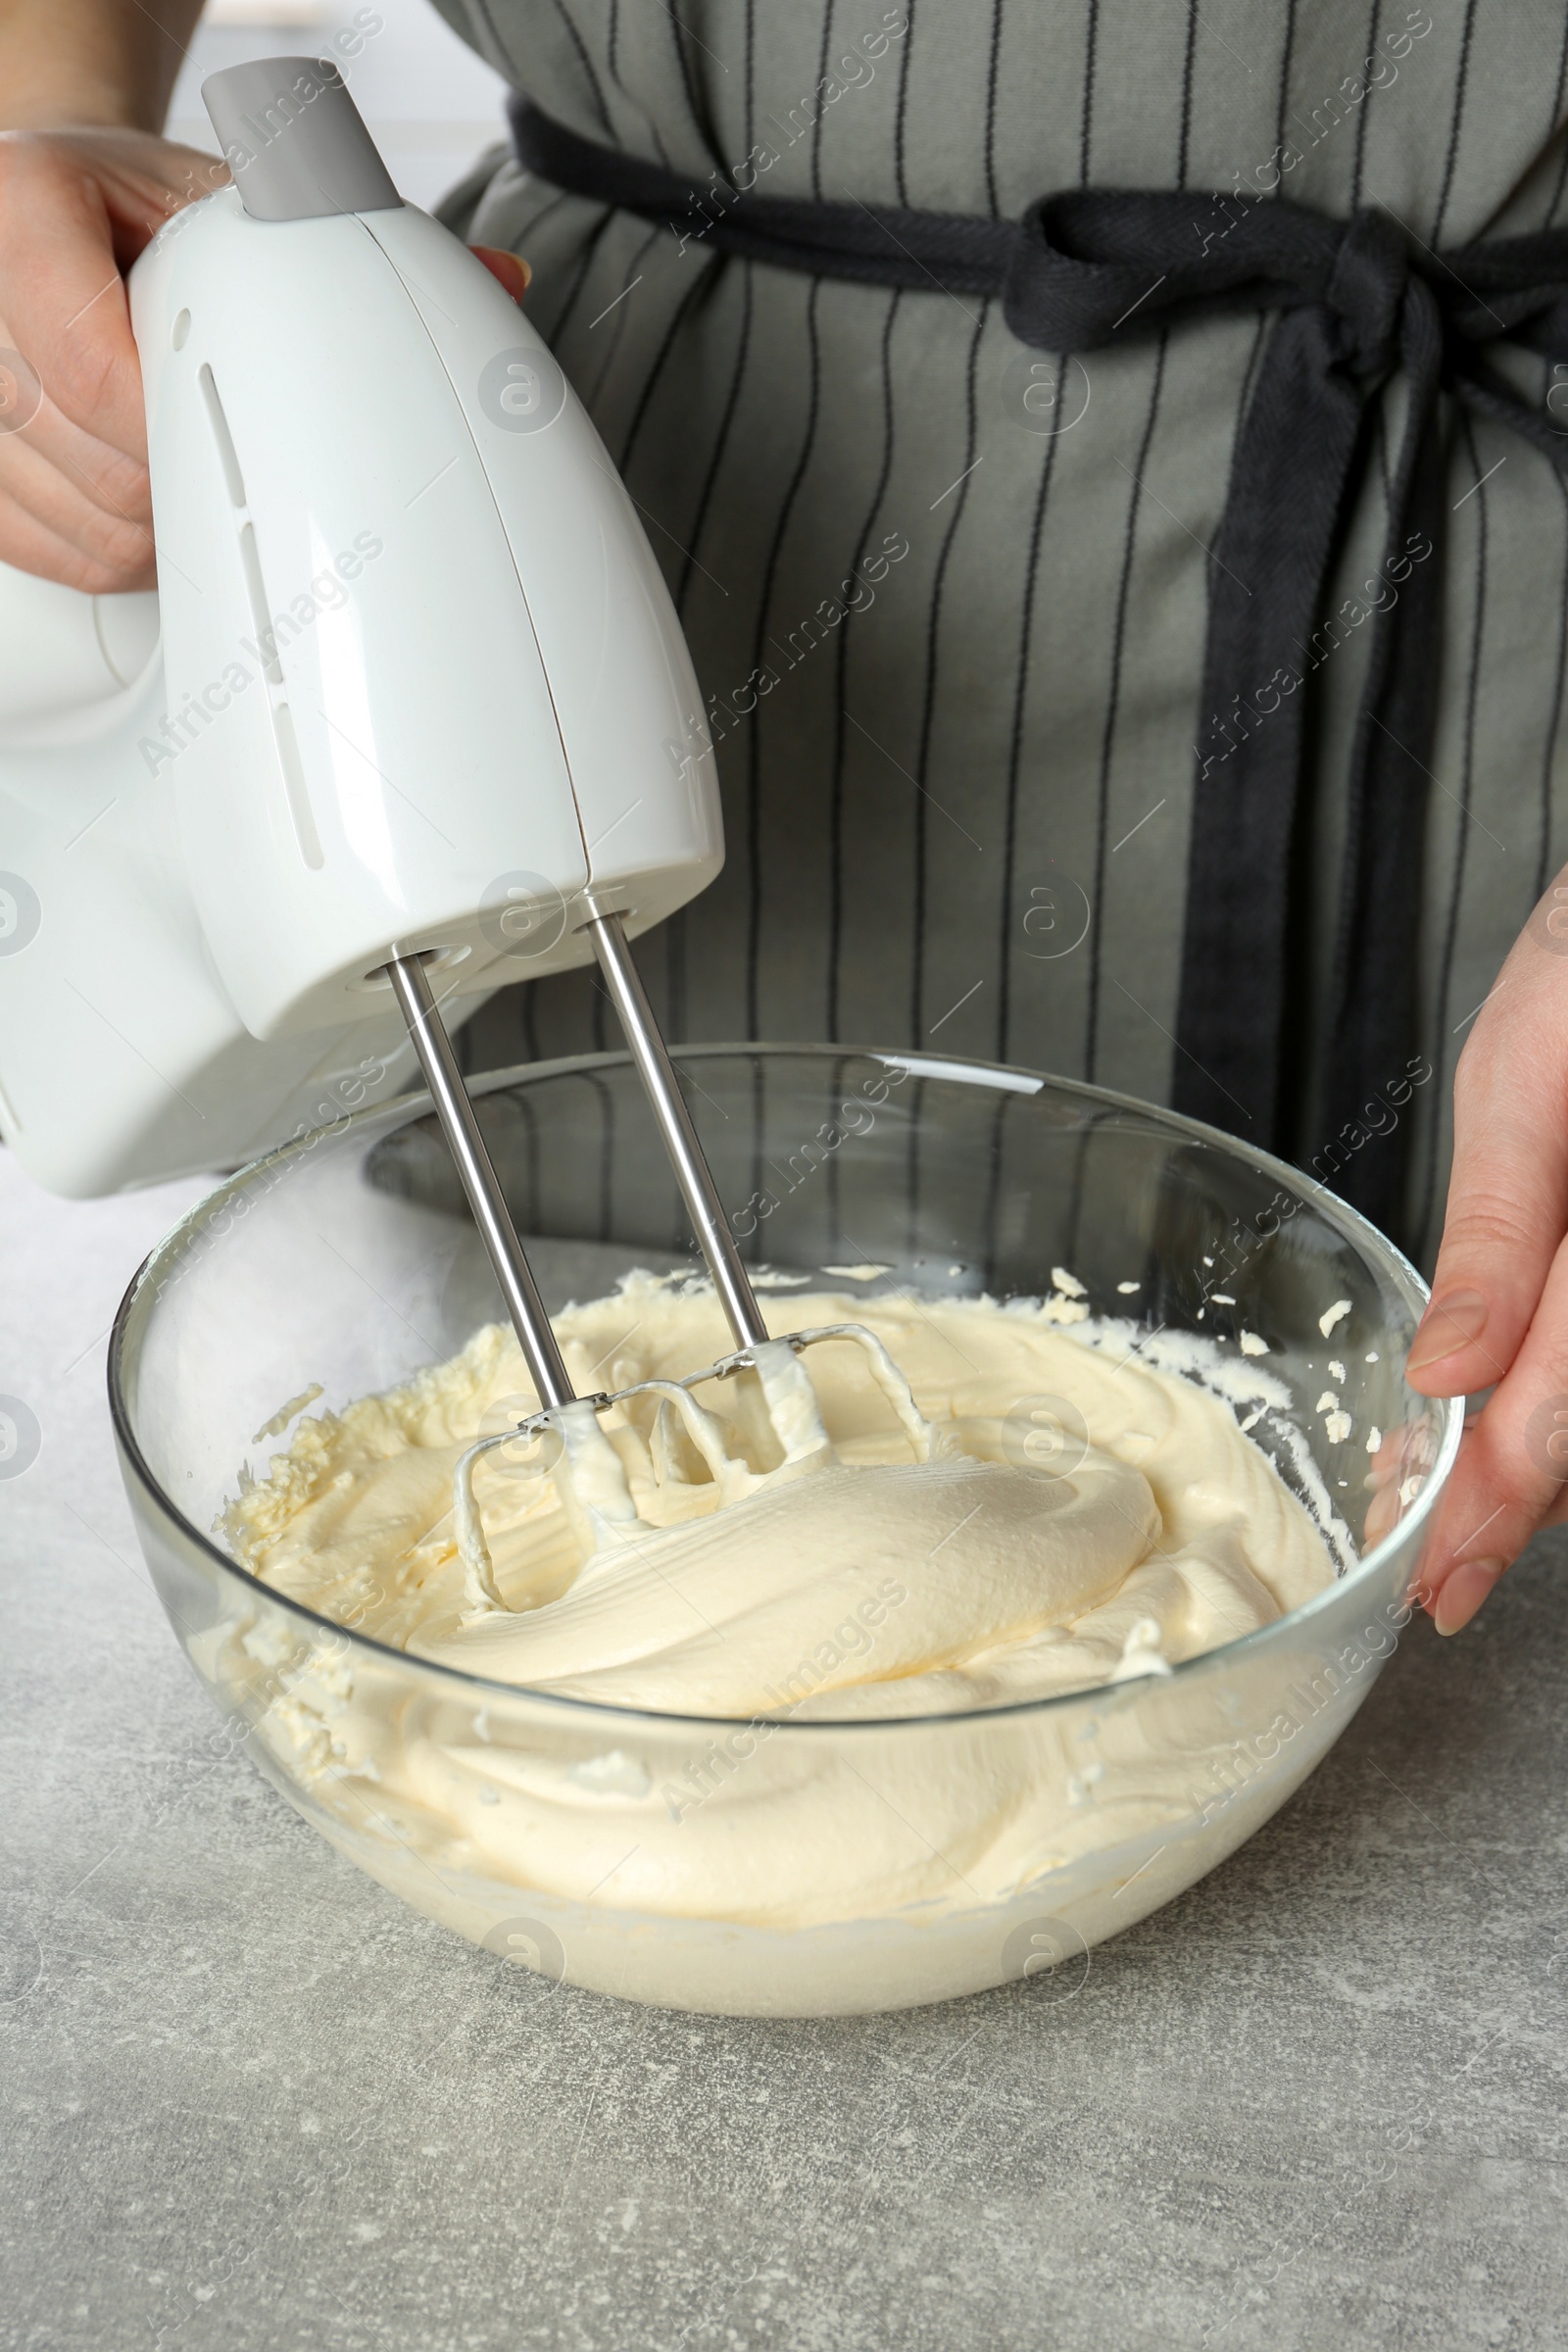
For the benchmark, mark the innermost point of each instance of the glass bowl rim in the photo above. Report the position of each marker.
(960, 1070)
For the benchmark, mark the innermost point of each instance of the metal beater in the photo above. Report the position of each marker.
(594, 1488)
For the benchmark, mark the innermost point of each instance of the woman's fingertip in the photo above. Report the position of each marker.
(1463, 1592)
(1452, 1322)
(508, 269)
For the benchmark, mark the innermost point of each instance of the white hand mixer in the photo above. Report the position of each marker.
(411, 703)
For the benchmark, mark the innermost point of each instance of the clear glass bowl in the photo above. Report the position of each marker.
(347, 1258)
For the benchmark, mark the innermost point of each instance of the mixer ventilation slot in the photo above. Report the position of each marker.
(261, 619)
(298, 798)
(229, 455)
(296, 789)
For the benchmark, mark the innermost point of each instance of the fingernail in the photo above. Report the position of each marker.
(510, 270)
(1463, 1594)
(1448, 1324)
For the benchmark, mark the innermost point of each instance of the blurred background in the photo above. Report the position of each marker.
(431, 104)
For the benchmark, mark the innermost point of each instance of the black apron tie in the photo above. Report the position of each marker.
(1356, 300)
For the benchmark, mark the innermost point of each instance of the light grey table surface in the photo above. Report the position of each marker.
(253, 2102)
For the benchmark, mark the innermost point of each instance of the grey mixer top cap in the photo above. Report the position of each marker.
(293, 138)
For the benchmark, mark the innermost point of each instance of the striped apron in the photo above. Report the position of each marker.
(948, 594)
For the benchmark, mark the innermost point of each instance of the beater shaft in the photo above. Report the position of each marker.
(677, 1131)
(547, 1367)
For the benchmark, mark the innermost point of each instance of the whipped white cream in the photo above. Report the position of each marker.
(1081, 1494)
(1090, 1519)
